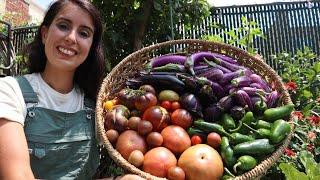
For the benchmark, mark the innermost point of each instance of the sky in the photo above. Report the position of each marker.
(217, 3)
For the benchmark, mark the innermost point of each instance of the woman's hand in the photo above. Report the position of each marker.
(130, 177)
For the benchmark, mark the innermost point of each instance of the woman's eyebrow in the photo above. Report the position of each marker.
(69, 21)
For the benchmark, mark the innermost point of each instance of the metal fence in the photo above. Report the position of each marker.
(287, 26)
(22, 36)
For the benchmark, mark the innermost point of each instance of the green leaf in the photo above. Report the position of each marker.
(292, 173)
(307, 94)
(317, 67)
(311, 166)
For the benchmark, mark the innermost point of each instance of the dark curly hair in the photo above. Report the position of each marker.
(89, 74)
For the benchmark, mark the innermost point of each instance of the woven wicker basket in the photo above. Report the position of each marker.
(135, 62)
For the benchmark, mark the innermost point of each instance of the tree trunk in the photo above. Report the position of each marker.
(142, 24)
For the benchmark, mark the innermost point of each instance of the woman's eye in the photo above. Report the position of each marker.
(62, 26)
(84, 34)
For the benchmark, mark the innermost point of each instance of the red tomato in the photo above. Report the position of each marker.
(195, 139)
(158, 116)
(175, 105)
(214, 140)
(144, 101)
(166, 105)
(182, 118)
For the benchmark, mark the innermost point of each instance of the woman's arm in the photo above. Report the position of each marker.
(14, 154)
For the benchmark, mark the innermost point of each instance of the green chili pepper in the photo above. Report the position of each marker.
(227, 122)
(263, 133)
(245, 163)
(237, 138)
(248, 118)
(260, 106)
(281, 112)
(210, 127)
(193, 131)
(227, 152)
(263, 124)
(255, 147)
(279, 130)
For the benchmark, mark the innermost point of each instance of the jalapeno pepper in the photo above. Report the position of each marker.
(279, 130)
(255, 147)
(248, 118)
(262, 124)
(210, 127)
(237, 138)
(263, 133)
(281, 112)
(245, 163)
(227, 152)
(260, 106)
(227, 122)
(193, 131)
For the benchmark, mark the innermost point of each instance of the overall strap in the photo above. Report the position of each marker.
(27, 91)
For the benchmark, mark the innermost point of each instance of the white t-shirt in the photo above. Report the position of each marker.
(13, 107)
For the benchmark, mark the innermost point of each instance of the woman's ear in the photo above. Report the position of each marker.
(44, 33)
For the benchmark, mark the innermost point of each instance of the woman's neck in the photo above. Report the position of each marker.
(59, 81)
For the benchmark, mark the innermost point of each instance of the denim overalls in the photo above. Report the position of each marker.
(61, 145)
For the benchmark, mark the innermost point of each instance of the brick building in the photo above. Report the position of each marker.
(21, 12)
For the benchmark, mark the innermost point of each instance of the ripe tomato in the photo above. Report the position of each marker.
(175, 105)
(182, 118)
(158, 116)
(154, 139)
(144, 101)
(195, 139)
(176, 173)
(166, 105)
(214, 140)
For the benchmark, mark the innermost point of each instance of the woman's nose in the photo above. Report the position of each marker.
(72, 36)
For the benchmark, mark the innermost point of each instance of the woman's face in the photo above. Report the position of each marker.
(68, 39)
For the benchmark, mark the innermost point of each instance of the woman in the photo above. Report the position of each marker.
(47, 116)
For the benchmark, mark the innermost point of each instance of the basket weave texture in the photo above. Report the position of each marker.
(135, 62)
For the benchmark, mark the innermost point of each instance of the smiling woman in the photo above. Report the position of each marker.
(47, 116)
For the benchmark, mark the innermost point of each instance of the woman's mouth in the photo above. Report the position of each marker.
(67, 52)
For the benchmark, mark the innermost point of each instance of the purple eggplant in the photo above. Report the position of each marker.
(163, 81)
(257, 98)
(272, 99)
(225, 58)
(256, 85)
(225, 103)
(255, 78)
(169, 68)
(212, 64)
(166, 59)
(212, 113)
(200, 56)
(213, 74)
(241, 81)
(227, 77)
(251, 91)
(232, 67)
(244, 99)
(191, 103)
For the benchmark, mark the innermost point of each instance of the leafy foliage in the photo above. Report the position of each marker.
(312, 168)
(242, 37)
(131, 24)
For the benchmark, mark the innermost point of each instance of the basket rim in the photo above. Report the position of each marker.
(259, 170)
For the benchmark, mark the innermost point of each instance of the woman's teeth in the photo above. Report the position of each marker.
(66, 51)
